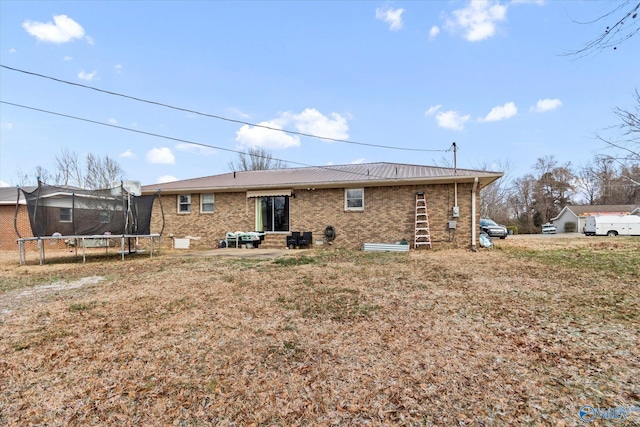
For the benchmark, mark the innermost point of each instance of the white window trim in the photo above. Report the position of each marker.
(202, 203)
(70, 215)
(357, 209)
(178, 207)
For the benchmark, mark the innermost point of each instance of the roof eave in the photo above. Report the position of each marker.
(483, 179)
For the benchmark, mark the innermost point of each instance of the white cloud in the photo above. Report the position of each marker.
(239, 113)
(451, 120)
(546, 105)
(118, 68)
(310, 121)
(432, 110)
(129, 154)
(161, 155)
(166, 178)
(391, 16)
(358, 161)
(62, 30)
(82, 75)
(501, 112)
(434, 31)
(113, 121)
(12, 50)
(7, 126)
(68, 58)
(447, 119)
(252, 136)
(196, 149)
(478, 19)
(313, 122)
(538, 2)
(4, 184)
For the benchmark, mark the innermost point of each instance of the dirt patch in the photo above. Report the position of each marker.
(523, 334)
(10, 300)
(234, 253)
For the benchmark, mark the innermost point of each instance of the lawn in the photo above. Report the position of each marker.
(526, 333)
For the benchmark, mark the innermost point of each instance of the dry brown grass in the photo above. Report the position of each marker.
(523, 334)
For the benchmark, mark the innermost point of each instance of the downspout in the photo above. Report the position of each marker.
(473, 214)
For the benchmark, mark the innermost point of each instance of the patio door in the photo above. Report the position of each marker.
(274, 213)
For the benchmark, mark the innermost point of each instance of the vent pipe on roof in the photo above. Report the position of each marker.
(455, 163)
(234, 174)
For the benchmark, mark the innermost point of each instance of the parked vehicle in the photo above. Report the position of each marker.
(492, 228)
(549, 229)
(612, 225)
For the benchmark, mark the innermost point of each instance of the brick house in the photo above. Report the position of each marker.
(364, 203)
(8, 236)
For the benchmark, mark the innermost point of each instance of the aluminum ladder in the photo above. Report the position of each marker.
(422, 235)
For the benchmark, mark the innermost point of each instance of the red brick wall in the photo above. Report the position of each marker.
(8, 236)
(388, 216)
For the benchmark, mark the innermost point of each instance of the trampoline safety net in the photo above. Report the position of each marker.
(76, 212)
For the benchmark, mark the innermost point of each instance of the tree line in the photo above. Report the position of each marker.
(535, 198)
(92, 172)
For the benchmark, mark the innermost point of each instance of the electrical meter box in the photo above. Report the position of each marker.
(452, 225)
(455, 212)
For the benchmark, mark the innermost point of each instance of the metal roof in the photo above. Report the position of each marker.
(581, 210)
(333, 176)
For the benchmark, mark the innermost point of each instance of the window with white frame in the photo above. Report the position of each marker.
(65, 215)
(207, 203)
(354, 199)
(184, 203)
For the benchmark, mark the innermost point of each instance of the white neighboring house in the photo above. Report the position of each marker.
(578, 214)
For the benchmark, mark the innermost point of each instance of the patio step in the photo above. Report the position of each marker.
(274, 241)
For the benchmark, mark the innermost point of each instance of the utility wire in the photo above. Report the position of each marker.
(389, 147)
(182, 140)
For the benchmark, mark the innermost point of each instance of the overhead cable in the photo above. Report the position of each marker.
(326, 138)
(183, 140)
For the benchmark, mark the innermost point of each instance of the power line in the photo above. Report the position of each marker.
(389, 147)
(179, 139)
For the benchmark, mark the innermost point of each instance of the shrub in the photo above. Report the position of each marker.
(512, 229)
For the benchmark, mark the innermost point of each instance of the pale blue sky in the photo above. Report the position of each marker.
(489, 75)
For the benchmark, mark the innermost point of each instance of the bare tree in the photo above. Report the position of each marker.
(256, 158)
(94, 173)
(620, 24)
(522, 203)
(587, 184)
(627, 145)
(494, 198)
(102, 171)
(68, 169)
(40, 173)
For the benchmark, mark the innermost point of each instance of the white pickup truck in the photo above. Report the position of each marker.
(612, 225)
